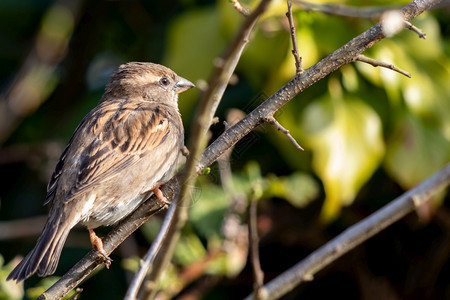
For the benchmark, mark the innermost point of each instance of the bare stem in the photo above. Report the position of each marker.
(146, 264)
(419, 32)
(376, 63)
(347, 10)
(279, 127)
(238, 6)
(297, 57)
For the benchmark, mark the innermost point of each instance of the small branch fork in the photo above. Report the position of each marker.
(297, 57)
(411, 27)
(279, 127)
(376, 63)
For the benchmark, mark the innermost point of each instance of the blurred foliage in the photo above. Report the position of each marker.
(9, 290)
(345, 136)
(369, 134)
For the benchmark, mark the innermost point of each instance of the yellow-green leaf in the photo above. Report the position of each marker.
(346, 140)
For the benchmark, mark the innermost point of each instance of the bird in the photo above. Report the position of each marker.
(119, 155)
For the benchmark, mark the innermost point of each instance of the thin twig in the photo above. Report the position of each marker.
(346, 10)
(419, 32)
(376, 63)
(145, 264)
(344, 55)
(238, 6)
(356, 234)
(297, 57)
(279, 127)
(258, 275)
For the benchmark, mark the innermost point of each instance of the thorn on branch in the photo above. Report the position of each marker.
(297, 57)
(419, 32)
(238, 6)
(215, 120)
(308, 277)
(377, 63)
(279, 127)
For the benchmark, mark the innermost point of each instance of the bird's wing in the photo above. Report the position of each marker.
(120, 137)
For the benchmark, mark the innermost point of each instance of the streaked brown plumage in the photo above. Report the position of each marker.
(120, 153)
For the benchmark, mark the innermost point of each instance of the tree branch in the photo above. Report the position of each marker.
(346, 10)
(297, 57)
(343, 55)
(296, 85)
(355, 235)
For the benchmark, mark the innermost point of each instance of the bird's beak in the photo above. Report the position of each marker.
(182, 85)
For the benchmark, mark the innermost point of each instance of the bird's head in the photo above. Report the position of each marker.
(146, 81)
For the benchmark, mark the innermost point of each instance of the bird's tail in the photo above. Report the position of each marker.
(44, 257)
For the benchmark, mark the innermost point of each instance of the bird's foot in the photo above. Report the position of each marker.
(159, 194)
(97, 243)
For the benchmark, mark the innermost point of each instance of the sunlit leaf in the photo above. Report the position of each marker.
(9, 289)
(345, 137)
(43, 285)
(299, 188)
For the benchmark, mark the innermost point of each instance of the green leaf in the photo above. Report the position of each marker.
(415, 151)
(346, 140)
(189, 248)
(43, 285)
(207, 211)
(299, 189)
(9, 289)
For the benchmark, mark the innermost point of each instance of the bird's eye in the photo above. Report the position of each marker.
(164, 81)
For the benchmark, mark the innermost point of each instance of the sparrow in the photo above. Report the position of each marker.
(119, 155)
